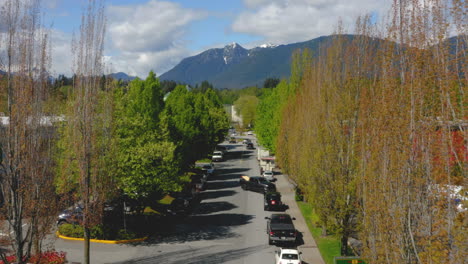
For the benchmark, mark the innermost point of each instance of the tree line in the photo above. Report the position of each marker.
(373, 130)
(88, 138)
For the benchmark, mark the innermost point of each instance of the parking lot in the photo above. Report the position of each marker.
(228, 226)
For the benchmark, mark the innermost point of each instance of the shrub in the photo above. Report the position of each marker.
(71, 230)
(48, 257)
(299, 195)
(124, 235)
(96, 232)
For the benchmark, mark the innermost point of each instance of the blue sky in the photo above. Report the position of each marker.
(144, 35)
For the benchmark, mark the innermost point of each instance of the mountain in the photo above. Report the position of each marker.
(206, 65)
(236, 67)
(121, 76)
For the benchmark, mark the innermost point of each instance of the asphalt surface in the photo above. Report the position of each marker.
(228, 226)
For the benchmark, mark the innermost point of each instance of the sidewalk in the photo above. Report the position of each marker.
(310, 252)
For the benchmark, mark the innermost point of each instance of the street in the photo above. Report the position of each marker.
(227, 227)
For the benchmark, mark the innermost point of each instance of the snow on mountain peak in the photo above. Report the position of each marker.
(268, 45)
(232, 45)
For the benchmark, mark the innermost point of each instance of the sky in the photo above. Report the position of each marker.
(144, 35)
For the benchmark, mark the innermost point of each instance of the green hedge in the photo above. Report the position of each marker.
(96, 232)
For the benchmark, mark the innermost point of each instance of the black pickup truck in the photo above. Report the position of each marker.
(257, 184)
(280, 229)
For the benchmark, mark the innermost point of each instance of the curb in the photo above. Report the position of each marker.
(102, 241)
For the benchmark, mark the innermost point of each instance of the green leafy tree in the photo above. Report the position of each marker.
(168, 86)
(246, 106)
(146, 161)
(196, 123)
(203, 87)
(269, 113)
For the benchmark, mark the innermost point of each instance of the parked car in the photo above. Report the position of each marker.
(269, 175)
(182, 204)
(272, 201)
(257, 184)
(232, 140)
(280, 229)
(179, 207)
(288, 256)
(249, 133)
(217, 156)
(222, 148)
(199, 181)
(246, 141)
(249, 146)
(208, 168)
(204, 168)
(72, 215)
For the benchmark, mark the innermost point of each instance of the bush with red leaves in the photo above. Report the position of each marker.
(49, 257)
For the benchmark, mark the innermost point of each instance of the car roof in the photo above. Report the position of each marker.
(280, 215)
(289, 251)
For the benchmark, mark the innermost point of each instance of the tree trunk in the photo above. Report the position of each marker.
(86, 245)
(344, 245)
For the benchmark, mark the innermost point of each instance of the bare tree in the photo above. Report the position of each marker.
(84, 120)
(26, 179)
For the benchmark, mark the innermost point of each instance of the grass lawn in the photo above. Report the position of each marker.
(166, 200)
(207, 160)
(329, 246)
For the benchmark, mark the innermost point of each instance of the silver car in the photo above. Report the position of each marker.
(269, 175)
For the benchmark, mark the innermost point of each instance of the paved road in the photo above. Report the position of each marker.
(227, 227)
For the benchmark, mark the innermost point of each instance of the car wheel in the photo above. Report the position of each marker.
(265, 208)
(61, 222)
(243, 187)
(270, 242)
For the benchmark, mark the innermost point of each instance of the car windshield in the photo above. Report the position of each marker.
(290, 256)
(268, 173)
(207, 167)
(281, 219)
(262, 180)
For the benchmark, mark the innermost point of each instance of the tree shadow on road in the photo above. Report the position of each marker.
(198, 256)
(238, 154)
(196, 228)
(222, 185)
(214, 207)
(299, 239)
(216, 194)
(232, 176)
(223, 172)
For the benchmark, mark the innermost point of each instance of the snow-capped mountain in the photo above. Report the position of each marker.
(233, 53)
(236, 67)
(267, 45)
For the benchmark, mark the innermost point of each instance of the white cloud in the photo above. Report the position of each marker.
(149, 36)
(287, 21)
(140, 63)
(61, 53)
